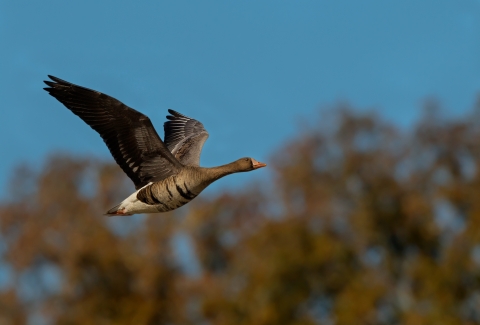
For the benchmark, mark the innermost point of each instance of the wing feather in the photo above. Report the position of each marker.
(128, 134)
(184, 137)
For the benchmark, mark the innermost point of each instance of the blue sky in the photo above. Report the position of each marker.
(249, 70)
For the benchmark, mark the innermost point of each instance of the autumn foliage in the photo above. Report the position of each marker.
(358, 223)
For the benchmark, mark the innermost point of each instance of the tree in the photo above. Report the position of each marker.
(360, 224)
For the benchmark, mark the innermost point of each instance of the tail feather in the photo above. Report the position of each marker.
(113, 211)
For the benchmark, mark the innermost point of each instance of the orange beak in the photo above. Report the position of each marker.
(257, 164)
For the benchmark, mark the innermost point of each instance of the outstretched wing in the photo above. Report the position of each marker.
(184, 137)
(129, 135)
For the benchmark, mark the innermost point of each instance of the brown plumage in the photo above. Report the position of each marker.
(166, 175)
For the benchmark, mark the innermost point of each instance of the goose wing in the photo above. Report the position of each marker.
(128, 134)
(184, 137)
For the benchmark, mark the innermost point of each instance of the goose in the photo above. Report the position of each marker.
(166, 175)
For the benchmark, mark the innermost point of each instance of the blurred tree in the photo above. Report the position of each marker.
(359, 224)
(71, 266)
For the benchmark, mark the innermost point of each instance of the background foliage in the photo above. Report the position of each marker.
(359, 223)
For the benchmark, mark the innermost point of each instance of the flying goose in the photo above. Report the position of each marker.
(166, 175)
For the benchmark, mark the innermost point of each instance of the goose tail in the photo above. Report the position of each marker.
(114, 211)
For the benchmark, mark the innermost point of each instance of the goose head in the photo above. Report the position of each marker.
(247, 164)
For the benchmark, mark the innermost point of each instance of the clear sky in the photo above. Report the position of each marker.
(249, 70)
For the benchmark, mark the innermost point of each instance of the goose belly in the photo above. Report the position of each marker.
(166, 196)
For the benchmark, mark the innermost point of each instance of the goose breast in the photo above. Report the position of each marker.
(171, 193)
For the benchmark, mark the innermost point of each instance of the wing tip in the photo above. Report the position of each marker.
(175, 115)
(53, 83)
(56, 79)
